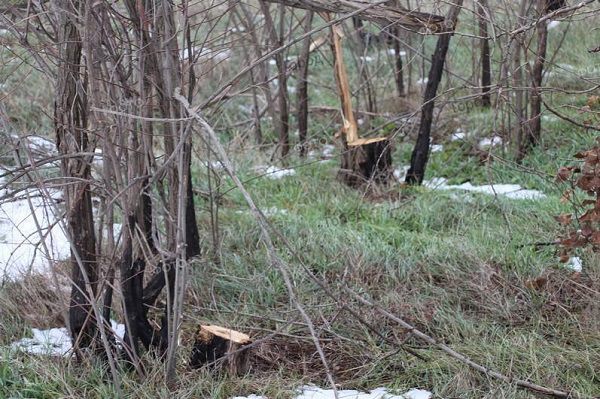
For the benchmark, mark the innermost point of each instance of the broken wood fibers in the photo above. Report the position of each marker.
(364, 159)
(221, 348)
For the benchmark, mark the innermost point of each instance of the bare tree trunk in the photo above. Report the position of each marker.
(535, 123)
(71, 120)
(398, 66)
(420, 154)
(518, 82)
(282, 94)
(303, 66)
(486, 73)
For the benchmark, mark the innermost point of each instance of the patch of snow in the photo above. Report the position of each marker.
(20, 247)
(328, 150)
(552, 24)
(437, 148)
(312, 392)
(400, 173)
(37, 144)
(575, 264)
(487, 142)
(275, 173)
(459, 134)
(422, 81)
(55, 341)
(274, 211)
(512, 191)
(214, 165)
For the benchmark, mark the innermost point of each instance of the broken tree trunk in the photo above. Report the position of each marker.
(420, 154)
(363, 160)
(221, 348)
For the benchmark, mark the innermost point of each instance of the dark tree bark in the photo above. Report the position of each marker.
(486, 74)
(70, 121)
(398, 66)
(303, 67)
(534, 132)
(420, 154)
(276, 39)
(366, 163)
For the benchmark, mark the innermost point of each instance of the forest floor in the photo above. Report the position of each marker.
(461, 266)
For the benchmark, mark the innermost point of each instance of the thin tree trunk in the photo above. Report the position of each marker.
(518, 82)
(398, 66)
(535, 123)
(486, 73)
(276, 40)
(71, 121)
(420, 154)
(303, 65)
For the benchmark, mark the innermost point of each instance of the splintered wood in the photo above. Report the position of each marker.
(364, 159)
(221, 348)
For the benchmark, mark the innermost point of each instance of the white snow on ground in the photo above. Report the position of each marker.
(274, 211)
(552, 24)
(20, 247)
(328, 150)
(400, 173)
(437, 148)
(275, 173)
(312, 392)
(54, 341)
(489, 142)
(459, 134)
(214, 165)
(575, 264)
(513, 191)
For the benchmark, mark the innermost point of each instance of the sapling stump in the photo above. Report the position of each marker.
(221, 348)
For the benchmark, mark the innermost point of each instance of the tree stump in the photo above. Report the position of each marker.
(366, 160)
(221, 349)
